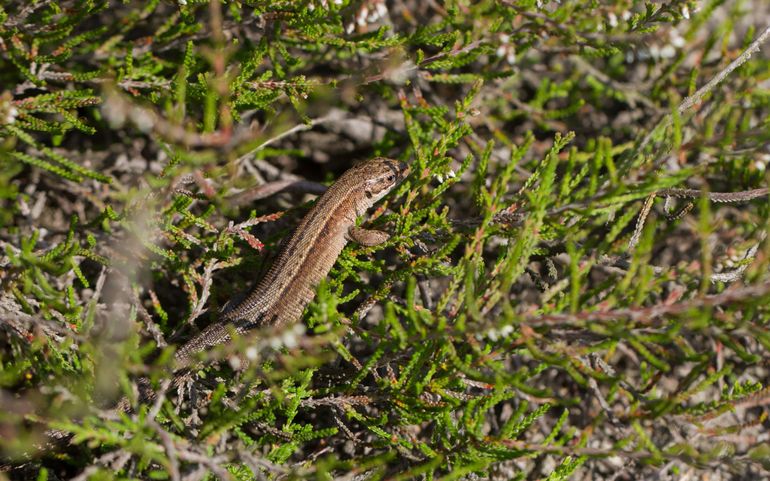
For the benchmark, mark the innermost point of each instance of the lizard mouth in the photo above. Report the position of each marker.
(401, 169)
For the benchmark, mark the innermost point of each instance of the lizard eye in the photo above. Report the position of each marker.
(391, 178)
(368, 193)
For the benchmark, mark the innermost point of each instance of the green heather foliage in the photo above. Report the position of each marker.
(542, 310)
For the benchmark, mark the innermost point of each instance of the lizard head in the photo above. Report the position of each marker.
(379, 176)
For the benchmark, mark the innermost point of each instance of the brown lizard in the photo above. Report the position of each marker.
(307, 256)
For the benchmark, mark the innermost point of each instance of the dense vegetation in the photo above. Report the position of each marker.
(576, 284)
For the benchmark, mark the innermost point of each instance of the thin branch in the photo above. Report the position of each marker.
(643, 316)
(271, 188)
(690, 101)
(640, 222)
(297, 128)
(736, 274)
(741, 196)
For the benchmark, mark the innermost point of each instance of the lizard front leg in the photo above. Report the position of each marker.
(366, 237)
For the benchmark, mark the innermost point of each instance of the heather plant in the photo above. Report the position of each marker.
(575, 286)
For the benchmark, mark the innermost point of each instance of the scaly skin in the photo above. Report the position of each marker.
(306, 257)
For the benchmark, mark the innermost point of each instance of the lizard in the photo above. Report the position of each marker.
(306, 257)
